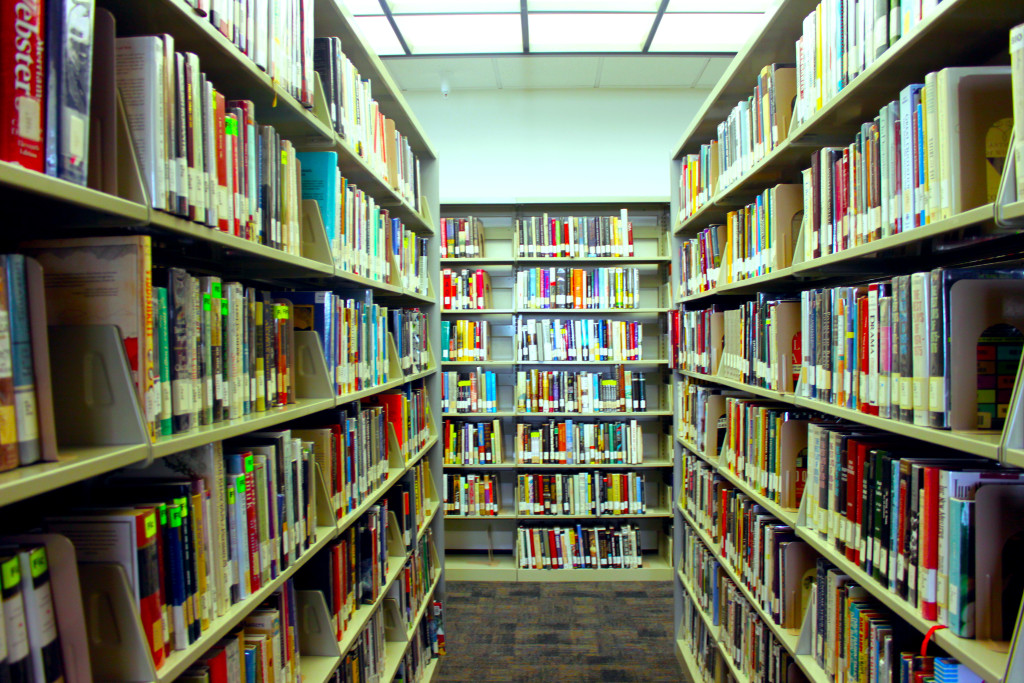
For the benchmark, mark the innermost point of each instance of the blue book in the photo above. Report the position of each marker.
(492, 392)
(250, 664)
(26, 415)
(960, 600)
(320, 183)
(68, 41)
(445, 339)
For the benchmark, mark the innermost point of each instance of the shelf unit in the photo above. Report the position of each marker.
(971, 32)
(482, 548)
(68, 210)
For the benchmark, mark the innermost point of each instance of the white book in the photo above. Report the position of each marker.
(1017, 79)
(920, 286)
(931, 128)
(140, 80)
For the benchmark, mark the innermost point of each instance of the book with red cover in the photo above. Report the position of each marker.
(22, 106)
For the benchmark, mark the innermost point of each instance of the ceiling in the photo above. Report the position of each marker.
(416, 28)
(556, 71)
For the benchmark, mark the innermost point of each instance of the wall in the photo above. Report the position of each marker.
(504, 145)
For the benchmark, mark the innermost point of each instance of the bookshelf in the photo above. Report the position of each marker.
(101, 431)
(973, 33)
(483, 547)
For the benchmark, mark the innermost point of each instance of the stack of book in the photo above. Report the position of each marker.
(581, 493)
(577, 288)
(694, 338)
(465, 290)
(935, 152)
(574, 443)
(465, 340)
(578, 340)
(476, 495)
(469, 392)
(556, 391)
(462, 238)
(574, 236)
(579, 547)
(472, 443)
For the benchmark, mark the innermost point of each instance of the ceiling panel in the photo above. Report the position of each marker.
(592, 5)
(714, 71)
(380, 35)
(426, 73)
(719, 5)
(589, 32)
(651, 71)
(704, 32)
(445, 6)
(461, 33)
(548, 72)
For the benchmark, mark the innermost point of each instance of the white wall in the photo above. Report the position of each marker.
(507, 145)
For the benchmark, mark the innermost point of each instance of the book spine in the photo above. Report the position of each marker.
(68, 84)
(25, 409)
(23, 99)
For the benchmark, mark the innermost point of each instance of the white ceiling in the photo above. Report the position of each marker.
(556, 71)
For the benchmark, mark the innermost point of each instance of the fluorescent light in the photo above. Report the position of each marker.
(705, 32)
(452, 6)
(589, 32)
(461, 33)
(719, 5)
(364, 7)
(380, 35)
(592, 5)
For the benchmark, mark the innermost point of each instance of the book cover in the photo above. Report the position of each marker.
(25, 409)
(69, 38)
(22, 110)
(9, 458)
(19, 662)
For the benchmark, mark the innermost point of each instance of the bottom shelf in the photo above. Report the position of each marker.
(474, 567)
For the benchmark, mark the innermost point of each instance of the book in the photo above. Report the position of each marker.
(40, 615)
(23, 108)
(9, 456)
(69, 48)
(1017, 84)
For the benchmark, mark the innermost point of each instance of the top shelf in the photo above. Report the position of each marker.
(969, 31)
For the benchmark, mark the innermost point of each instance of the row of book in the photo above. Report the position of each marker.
(574, 236)
(364, 238)
(755, 240)
(544, 339)
(890, 348)
(579, 547)
(357, 118)
(465, 289)
(762, 345)
(695, 339)
(545, 443)
(616, 390)
(578, 288)
(462, 237)
(929, 528)
(212, 162)
(905, 168)
(580, 443)
(581, 493)
(465, 340)
(703, 642)
(469, 392)
(754, 127)
(472, 495)
(472, 443)
(840, 41)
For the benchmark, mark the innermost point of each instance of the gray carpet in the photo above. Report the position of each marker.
(558, 632)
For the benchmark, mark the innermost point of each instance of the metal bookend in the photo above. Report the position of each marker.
(326, 514)
(1013, 429)
(94, 390)
(1007, 193)
(396, 453)
(317, 634)
(129, 177)
(117, 644)
(315, 244)
(320, 109)
(394, 364)
(312, 379)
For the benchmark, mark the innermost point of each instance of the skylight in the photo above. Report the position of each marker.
(459, 27)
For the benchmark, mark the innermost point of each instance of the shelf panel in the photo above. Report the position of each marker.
(318, 669)
(180, 660)
(820, 267)
(202, 435)
(980, 443)
(38, 199)
(1014, 211)
(456, 261)
(479, 567)
(979, 656)
(75, 464)
(230, 71)
(478, 311)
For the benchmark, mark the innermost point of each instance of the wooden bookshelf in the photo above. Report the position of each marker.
(972, 32)
(56, 208)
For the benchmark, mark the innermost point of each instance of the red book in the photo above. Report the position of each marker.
(929, 517)
(233, 151)
(21, 58)
(220, 138)
(394, 412)
(252, 520)
(217, 663)
(555, 560)
(338, 582)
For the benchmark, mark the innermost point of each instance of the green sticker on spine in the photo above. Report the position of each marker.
(10, 573)
(231, 126)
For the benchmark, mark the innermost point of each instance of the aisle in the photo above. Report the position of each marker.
(540, 632)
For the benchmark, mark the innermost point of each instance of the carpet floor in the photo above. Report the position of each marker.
(548, 632)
